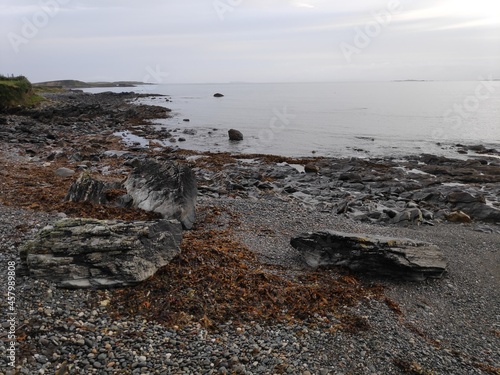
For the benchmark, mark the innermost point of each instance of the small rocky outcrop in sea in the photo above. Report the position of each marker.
(85, 253)
(167, 188)
(235, 135)
(218, 95)
(389, 257)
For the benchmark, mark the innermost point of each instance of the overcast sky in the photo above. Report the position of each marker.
(191, 41)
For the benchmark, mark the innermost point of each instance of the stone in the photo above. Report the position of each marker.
(399, 258)
(89, 253)
(457, 197)
(218, 95)
(311, 168)
(473, 206)
(351, 177)
(411, 215)
(480, 211)
(88, 189)
(168, 188)
(235, 135)
(64, 172)
(458, 217)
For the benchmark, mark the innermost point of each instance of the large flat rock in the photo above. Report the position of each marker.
(393, 257)
(84, 253)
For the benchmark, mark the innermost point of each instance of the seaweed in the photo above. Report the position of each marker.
(216, 279)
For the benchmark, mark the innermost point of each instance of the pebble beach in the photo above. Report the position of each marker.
(439, 326)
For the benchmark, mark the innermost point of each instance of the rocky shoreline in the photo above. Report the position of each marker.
(256, 204)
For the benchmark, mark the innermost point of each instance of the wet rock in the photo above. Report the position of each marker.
(380, 256)
(84, 253)
(235, 135)
(218, 95)
(168, 188)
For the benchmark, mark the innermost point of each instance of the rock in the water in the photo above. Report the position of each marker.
(168, 188)
(235, 135)
(394, 257)
(218, 95)
(88, 189)
(84, 253)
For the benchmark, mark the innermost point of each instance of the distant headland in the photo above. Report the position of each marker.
(75, 84)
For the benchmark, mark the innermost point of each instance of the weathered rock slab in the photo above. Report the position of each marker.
(381, 256)
(168, 188)
(85, 253)
(88, 189)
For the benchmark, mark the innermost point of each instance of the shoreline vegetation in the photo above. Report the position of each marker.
(17, 91)
(239, 299)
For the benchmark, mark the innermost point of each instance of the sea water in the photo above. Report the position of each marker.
(364, 119)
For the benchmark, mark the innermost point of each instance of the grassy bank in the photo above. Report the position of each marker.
(15, 91)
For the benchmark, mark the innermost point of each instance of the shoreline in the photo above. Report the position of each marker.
(439, 326)
(298, 131)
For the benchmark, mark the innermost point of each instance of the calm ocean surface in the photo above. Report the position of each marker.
(363, 119)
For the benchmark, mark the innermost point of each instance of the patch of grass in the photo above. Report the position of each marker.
(17, 91)
(47, 89)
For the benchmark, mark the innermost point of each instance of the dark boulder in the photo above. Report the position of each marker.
(380, 256)
(218, 95)
(464, 197)
(168, 188)
(235, 135)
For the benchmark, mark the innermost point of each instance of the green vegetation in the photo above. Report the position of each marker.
(15, 91)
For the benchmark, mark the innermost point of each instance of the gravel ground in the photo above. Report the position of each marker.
(448, 326)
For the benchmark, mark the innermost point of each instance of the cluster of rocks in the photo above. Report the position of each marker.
(50, 130)
(418, 190)
(82, 253)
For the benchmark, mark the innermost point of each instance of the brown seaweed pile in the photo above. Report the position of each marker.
(216, 279)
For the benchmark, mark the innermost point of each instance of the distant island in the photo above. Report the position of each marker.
(412, 80)
(75, 84)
